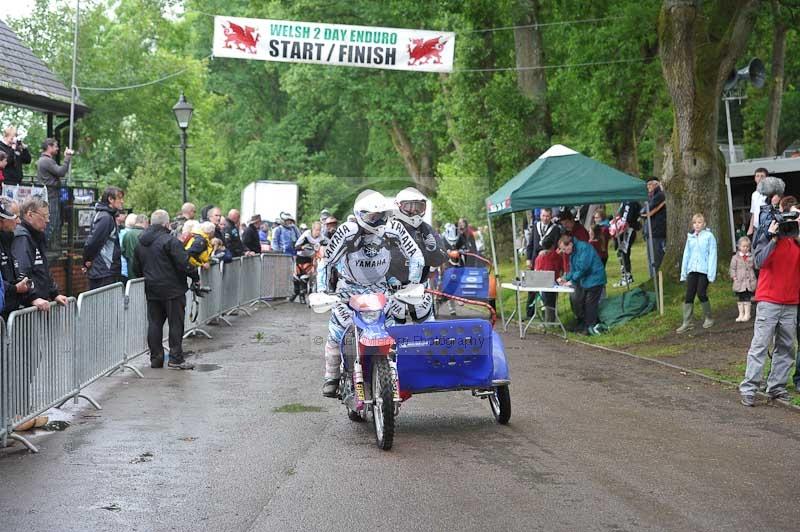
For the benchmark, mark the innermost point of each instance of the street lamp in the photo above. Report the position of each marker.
(183, 115)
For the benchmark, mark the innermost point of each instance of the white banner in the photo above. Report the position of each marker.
(334, 44)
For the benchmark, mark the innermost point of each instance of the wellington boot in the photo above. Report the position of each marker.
(707, 321)
(688, 309)
(740, 317)
(747, 308)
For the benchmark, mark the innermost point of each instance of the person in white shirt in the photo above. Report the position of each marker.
(756, 201)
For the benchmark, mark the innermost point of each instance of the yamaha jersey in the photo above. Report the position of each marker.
(431, 245)
(364, 258)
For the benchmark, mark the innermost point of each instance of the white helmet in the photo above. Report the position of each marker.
(371, 211)
(450, 234)
(411, 205)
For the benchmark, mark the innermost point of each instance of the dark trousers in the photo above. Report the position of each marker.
(696, 285)
(52, 231)
(172, 311)
(577, 301)
(659, 248)
(624, 251)
(101, 282)
(591, 304)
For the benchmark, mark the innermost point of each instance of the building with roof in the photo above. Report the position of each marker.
(25, 81)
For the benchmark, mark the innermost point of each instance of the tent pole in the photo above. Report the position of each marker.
(516, 270)
(497, 290)
(651, 253)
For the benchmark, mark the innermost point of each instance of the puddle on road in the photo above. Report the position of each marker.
(207, 367)
(297, 408)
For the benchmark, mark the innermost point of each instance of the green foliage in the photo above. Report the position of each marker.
(330, 128)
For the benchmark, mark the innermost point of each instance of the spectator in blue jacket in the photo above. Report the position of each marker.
(586, 271)
(699, 268)
(285, 235)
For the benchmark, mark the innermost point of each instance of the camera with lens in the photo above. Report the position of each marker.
(787, 221)
(200, 291)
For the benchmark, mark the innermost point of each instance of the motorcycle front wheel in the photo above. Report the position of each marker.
(383, 408)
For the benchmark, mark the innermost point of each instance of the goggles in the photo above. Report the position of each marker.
(413, 208)
(373, 218)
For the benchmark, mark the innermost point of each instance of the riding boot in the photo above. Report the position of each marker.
(332, 369)
(688, 309)
(707, 321)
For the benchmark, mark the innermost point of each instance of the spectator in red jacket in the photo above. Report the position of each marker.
(778, 295)
(573, 229)
(548, 260)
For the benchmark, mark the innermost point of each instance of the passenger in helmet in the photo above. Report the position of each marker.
(360, 251)
(410, 207)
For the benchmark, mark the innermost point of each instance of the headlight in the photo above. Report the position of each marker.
(371, 316)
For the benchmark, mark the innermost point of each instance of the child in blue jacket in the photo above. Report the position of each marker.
(698, 269)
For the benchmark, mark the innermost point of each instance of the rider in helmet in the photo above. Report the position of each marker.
(454, 257)
(307, 247)
(410, 206)
(360, 252)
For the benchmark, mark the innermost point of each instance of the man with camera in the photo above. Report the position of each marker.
(777, 294)
(165, 266)
(49, 173)
(17, 287)
(17, 155)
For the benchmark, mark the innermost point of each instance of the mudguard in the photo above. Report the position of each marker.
(499, 359)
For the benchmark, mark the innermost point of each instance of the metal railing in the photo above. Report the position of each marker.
(38, 365)
(47, 358)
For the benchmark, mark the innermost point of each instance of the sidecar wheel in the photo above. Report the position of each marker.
(501, 404)
(383, 409)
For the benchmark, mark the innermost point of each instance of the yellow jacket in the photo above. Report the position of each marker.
(199, 248)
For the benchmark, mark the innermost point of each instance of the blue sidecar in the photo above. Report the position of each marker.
(463, 354)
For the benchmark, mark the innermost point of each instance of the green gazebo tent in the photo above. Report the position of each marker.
(560, 176)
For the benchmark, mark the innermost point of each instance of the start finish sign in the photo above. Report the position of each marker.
(333, 44)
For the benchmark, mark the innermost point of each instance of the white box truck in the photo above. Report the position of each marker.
(269, 199)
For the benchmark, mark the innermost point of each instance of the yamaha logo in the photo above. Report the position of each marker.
(371, 249)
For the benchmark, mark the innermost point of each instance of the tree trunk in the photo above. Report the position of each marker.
(451, 124)
(658, 155)
(529, 52)
(773, 119)
(419, 170)
(699, 46)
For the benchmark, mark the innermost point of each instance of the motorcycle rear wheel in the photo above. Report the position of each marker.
(383, 408)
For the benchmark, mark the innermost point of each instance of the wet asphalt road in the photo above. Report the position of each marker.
(596, 442)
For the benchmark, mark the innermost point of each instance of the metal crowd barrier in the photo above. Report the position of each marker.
(276, 276)
(38, 365)
(47, 358)
(135, 322)
(250, 284)
(100, 344)
(231, 272)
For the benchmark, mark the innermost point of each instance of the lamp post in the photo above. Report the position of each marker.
(183, 114)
